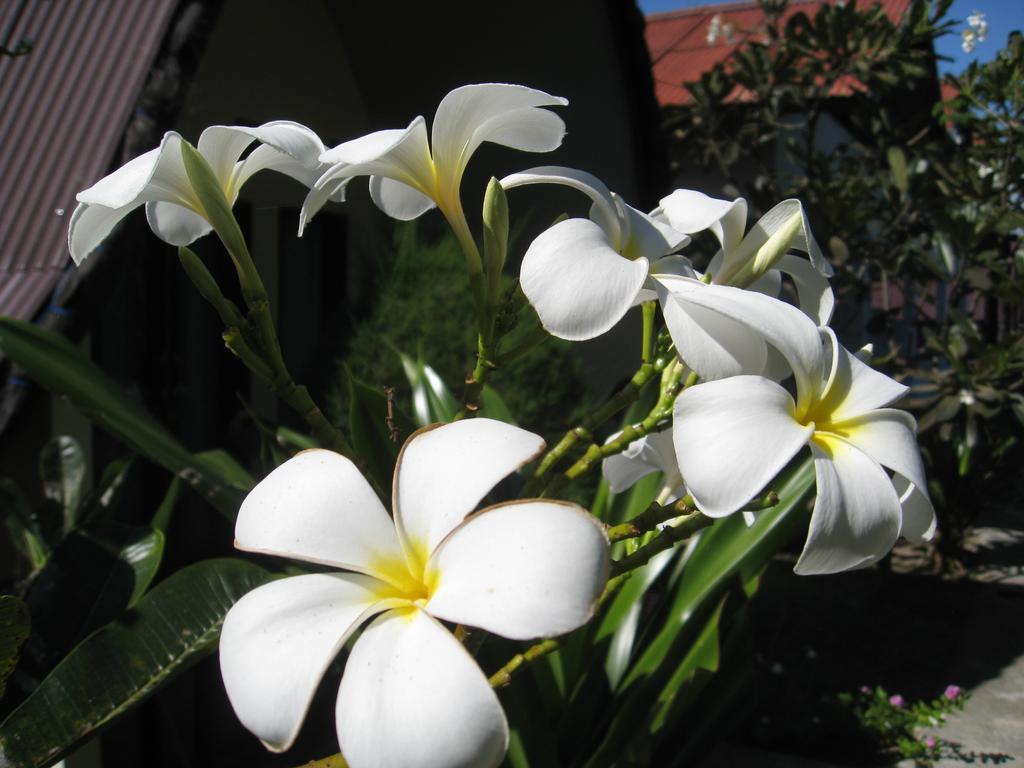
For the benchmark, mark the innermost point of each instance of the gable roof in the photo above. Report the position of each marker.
(66, 104)
(680, 51)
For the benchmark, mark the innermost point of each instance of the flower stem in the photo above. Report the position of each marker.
(650, 518)
(670, 386)
(584, 430)
(504, 675)
(649, 309)
(664, 539)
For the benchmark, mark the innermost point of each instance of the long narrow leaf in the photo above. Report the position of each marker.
(727, 555)
(50, 360)
(94, 574)
(122, 664)
(14, 628)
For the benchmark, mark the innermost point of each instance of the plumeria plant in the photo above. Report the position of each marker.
(621, 603)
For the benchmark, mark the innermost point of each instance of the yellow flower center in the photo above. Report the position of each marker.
(405, 578)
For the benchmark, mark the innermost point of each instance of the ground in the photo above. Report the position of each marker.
(912, 632)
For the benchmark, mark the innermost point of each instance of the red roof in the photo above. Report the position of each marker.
(65, 108)
(680, 51)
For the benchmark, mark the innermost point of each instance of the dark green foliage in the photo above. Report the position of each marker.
(14, 627)
(423, 308)
(125, 662)
(917, 201)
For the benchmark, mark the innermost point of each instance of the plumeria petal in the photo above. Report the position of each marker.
(856, 516)
(604, 211)
(714, 345)
(854, 387)
(918, 522)
(221, 146)
(318, 507)
(505, 570)
(770, 223)
(398, 200)
(401, 155)
(887, 436)
(90, 225)
(318, 197)
(813, 291)
(732, 437)
(770, 283)
(412, 697)
(788, 329)
(174, 224)
(443, 471)
(278, 640)
(496, 112)
(134, 182)
(647, 237)
(266, 157)
(578, 284)
(651, 453)
(690, 211)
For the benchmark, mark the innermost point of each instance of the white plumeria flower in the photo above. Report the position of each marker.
(743, 261)
(721, 331)
(409, 176)
(651, 453)
(582, 275)
(734, 435)
(410, 695)
(158, 179)
(644, 456)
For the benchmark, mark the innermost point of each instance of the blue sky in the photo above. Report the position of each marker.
(1003, 16)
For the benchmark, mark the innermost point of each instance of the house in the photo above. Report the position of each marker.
(687, 44)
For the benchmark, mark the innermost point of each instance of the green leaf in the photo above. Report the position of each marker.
(14, 628)
(49, 359)
(124, 663)
(370, 429)
(289, 438)
(228, 468)
(103, 498)
(96, 572)
(493, 406)
(724, 552)
(726, 556)
(29, 532)
(432, 401)
(165, 511)
(62, 467)
(685, 682)
(898, 167)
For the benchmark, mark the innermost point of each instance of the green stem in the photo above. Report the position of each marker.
(670, 386)
(584, 431)
(664, 539)
(651, 518)
(656, 514)
(649, 309)
(504, 675)
(476, 380)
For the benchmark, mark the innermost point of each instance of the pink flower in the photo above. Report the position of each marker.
(896, 700)
(952, 691)
(930, 742)
(865, 689)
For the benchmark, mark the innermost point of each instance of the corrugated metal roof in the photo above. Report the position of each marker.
(63, 111)
(680, 52)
